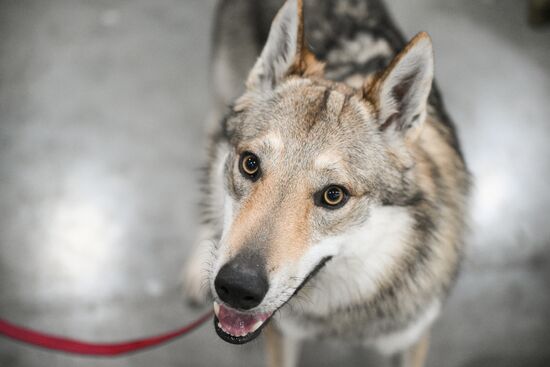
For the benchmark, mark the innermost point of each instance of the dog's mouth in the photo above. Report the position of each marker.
(238, 327)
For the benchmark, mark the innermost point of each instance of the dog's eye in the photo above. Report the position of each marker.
(332, 197)
(249, 166)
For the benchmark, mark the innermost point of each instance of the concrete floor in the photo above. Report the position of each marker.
(102, 106)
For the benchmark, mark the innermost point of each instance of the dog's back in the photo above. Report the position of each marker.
(354, 38)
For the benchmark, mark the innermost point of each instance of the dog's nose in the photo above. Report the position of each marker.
(242, 282)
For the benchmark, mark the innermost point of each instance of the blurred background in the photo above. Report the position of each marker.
(102, 110)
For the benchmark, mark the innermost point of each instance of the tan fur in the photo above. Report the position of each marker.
(280, 352)
(419, 352)
(274, 346)
(407, 188)
(305, 63)
(372, 87)
(246, 220)
(293, 233)
(416, 355)
(289, 238)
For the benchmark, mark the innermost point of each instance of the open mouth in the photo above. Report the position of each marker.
(238, 327)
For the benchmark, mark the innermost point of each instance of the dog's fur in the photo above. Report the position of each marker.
(357, 108)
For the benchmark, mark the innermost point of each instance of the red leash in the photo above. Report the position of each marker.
(74, 346)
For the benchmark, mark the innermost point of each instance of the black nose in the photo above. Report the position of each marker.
(242, 282)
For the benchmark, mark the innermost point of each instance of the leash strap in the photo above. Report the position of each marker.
(73, 346)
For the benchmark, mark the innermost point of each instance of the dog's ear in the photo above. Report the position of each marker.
(284, 53)
(400, 95)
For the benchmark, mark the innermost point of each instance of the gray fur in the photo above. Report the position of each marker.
(427, 180)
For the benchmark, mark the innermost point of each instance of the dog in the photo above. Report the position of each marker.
(336, 192)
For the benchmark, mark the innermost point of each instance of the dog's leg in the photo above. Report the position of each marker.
(415, 356)
(196, 289)
(282, 351)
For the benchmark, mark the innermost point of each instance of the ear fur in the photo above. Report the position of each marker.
(401, 93)
(284, 53)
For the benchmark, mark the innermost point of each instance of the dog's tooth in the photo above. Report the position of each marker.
(216, 308)
(256, 326)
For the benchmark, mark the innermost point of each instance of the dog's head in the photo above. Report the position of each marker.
(309, 160)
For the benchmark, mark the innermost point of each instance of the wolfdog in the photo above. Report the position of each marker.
(336, 191)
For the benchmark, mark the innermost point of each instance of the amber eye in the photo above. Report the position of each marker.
(249, 166)
(332, 197)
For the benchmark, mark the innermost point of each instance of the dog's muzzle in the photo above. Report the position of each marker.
(233, 322)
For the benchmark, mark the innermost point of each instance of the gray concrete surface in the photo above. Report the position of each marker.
(101, 136)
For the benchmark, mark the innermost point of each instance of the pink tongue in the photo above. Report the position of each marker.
(238, 324)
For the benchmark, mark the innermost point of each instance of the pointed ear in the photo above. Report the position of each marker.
(401, 93)
(284, 53)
